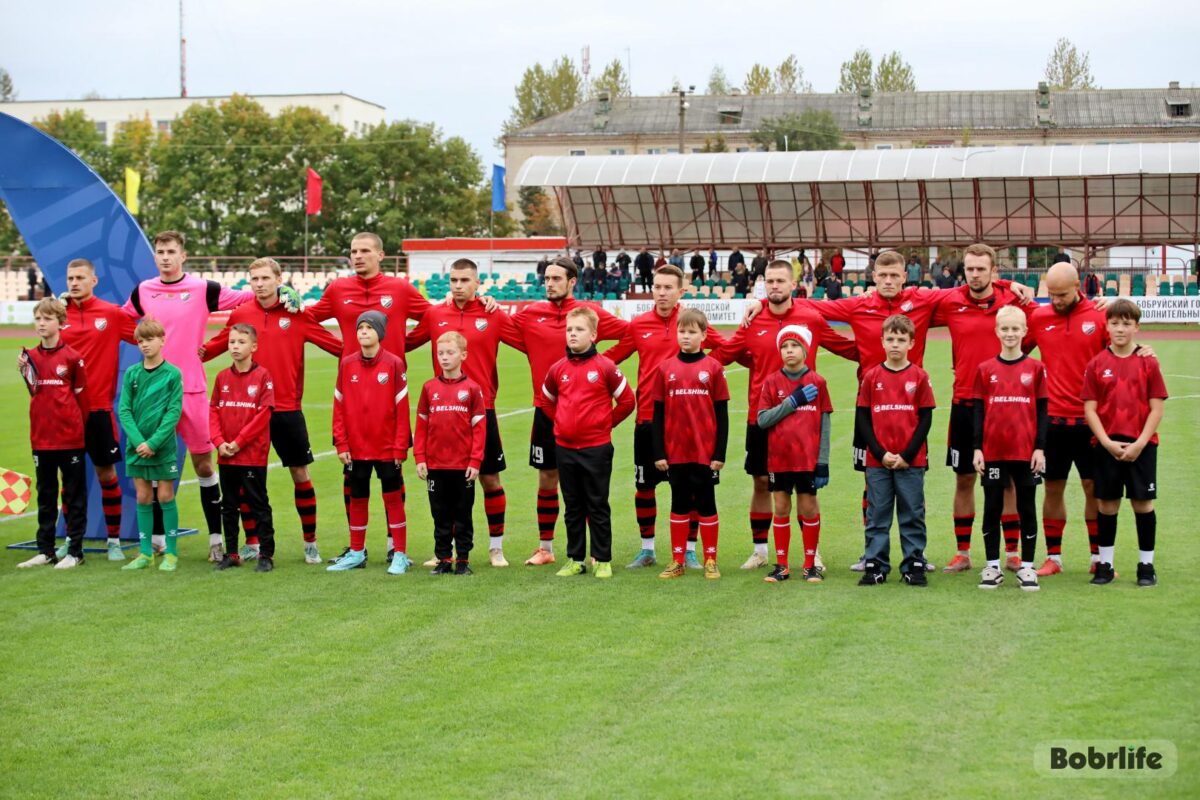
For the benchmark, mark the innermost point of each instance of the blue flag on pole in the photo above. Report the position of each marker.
(498, 203)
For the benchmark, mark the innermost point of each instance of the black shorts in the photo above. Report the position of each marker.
(289, 436)
(645, 474)
(542, 446)
(756, 451)
(1067, 445)
(999, 473)
(1137, 480)
(860, 448)
(100, 438)
(493, 448)
(960, 441)
(693, 488)
(793, 482)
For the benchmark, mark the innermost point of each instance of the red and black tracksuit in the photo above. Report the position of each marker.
(239, 412)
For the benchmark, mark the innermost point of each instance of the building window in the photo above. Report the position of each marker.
(577, 152)
(102, 129)
(729, 116)
(1181, 109)
(673, 150)
(616, 151)
(741, 150)
(164, 126)
(653, 151)
(883, 147)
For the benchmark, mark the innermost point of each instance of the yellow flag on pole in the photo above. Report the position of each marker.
(133, 182)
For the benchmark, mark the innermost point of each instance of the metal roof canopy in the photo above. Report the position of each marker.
(1093, 196)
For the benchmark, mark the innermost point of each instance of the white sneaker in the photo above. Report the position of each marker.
(311, 554)
(991, 577)
(860, 565)
(433, 562)
(496, 556)
(1027, 579)
(755, 561)
(68, 562)
(37, 561)
(215, 553)
(818, 563)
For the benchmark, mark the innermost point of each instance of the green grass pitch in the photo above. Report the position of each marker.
(514, 683)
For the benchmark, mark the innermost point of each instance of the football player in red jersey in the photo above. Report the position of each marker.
(95, 329)
(57, 408)
(1123, 400)
(652, 335)
(281, 337)
(690, 434)
(894, 412)
(1010, 410)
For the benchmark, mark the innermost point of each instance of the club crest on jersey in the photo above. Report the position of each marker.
(224, 388)
(386, 301)
(1089, 328)
(185, 296)
(994, 379)
(100, 324)
(593, 376)
(703, 376)
(910, 387)
(906, 306)
(60, 371)
(252, 390)
(879, 387)
(481, 325)
(382, 377)
(284, 323)
(1027, 379)
(463, 394)
(1107, 374)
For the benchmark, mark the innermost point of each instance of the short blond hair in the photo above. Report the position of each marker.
(1009, 314)
(149, 329)
(266, 262)
(453, 336)
(889, 258)
(981, 249)
(51, 307)
(591, 316)
(692, 318)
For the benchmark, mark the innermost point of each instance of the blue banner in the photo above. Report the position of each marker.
(498, 203)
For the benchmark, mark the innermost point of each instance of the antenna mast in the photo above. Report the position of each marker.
(182, 55)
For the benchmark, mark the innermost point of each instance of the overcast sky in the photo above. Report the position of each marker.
(455, 63)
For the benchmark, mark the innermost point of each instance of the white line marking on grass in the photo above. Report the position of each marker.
(1184, 397)
(1189, 377)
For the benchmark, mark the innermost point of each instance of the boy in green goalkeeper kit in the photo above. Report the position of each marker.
(151, 403)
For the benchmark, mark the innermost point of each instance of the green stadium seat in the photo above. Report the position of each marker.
(1178, 289)
(1110, 292)
(531, 277)
(1193, 290)
(610, 296)
(819, 293)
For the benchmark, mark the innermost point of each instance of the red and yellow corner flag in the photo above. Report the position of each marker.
(15, 490)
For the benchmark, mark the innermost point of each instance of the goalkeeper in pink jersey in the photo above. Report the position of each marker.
(182, 304)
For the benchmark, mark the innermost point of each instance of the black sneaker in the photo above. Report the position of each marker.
(813, 575)
(443, 568)
(340, 555)
(265, 564)
(1104, 574)
(779, 574)
(872, 574)
(462, 568)
(915, 575)
(1146, 576)
(228, 560)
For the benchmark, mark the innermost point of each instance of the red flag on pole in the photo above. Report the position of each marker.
(313, 192)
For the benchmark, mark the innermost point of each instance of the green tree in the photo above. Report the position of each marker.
(78, 132)
(789, 77)
(544, 92)
(809, 130)
(856, 73)
(893, 74)
(8, 92)
(1067, 68)
(133, 146)
(612, 79)
(538, 214)
(715, 145)
(302, 138)
(717, 82)
(759, 81)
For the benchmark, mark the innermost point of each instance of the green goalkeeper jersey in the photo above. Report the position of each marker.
(151, 402)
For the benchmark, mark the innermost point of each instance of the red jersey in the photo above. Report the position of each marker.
(281, 338)
(1066, 343)
(1123, 389)
(579, 391)
(450, 424)
(895, 398)
(972, 325)
(541, 333)
(653, 338)
(688, 391)
(483, 332)
(1010, 391)
(346, 298)
(794, 443)
(758, 341)
(240, 411)
(866, 312)
(370, 407)
(95, 329)
(59, 405)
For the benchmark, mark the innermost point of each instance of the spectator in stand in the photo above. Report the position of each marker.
(660, 261)
(644, 264)
(614, 284)
(697, 265)
(960, 274)
(32, 275)
(587, 277)
(676, 258)
(741, 280)
(1091, 285)
(623, 262)
(837, 264)
(912, 272)
(736, 258)
(869, 277)
(821, 271)
(541, 268)
(946, 279)
(712, 262)
(600, 258)
(807, 277)
(578, 259)
(758, 267)
(833, 287)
